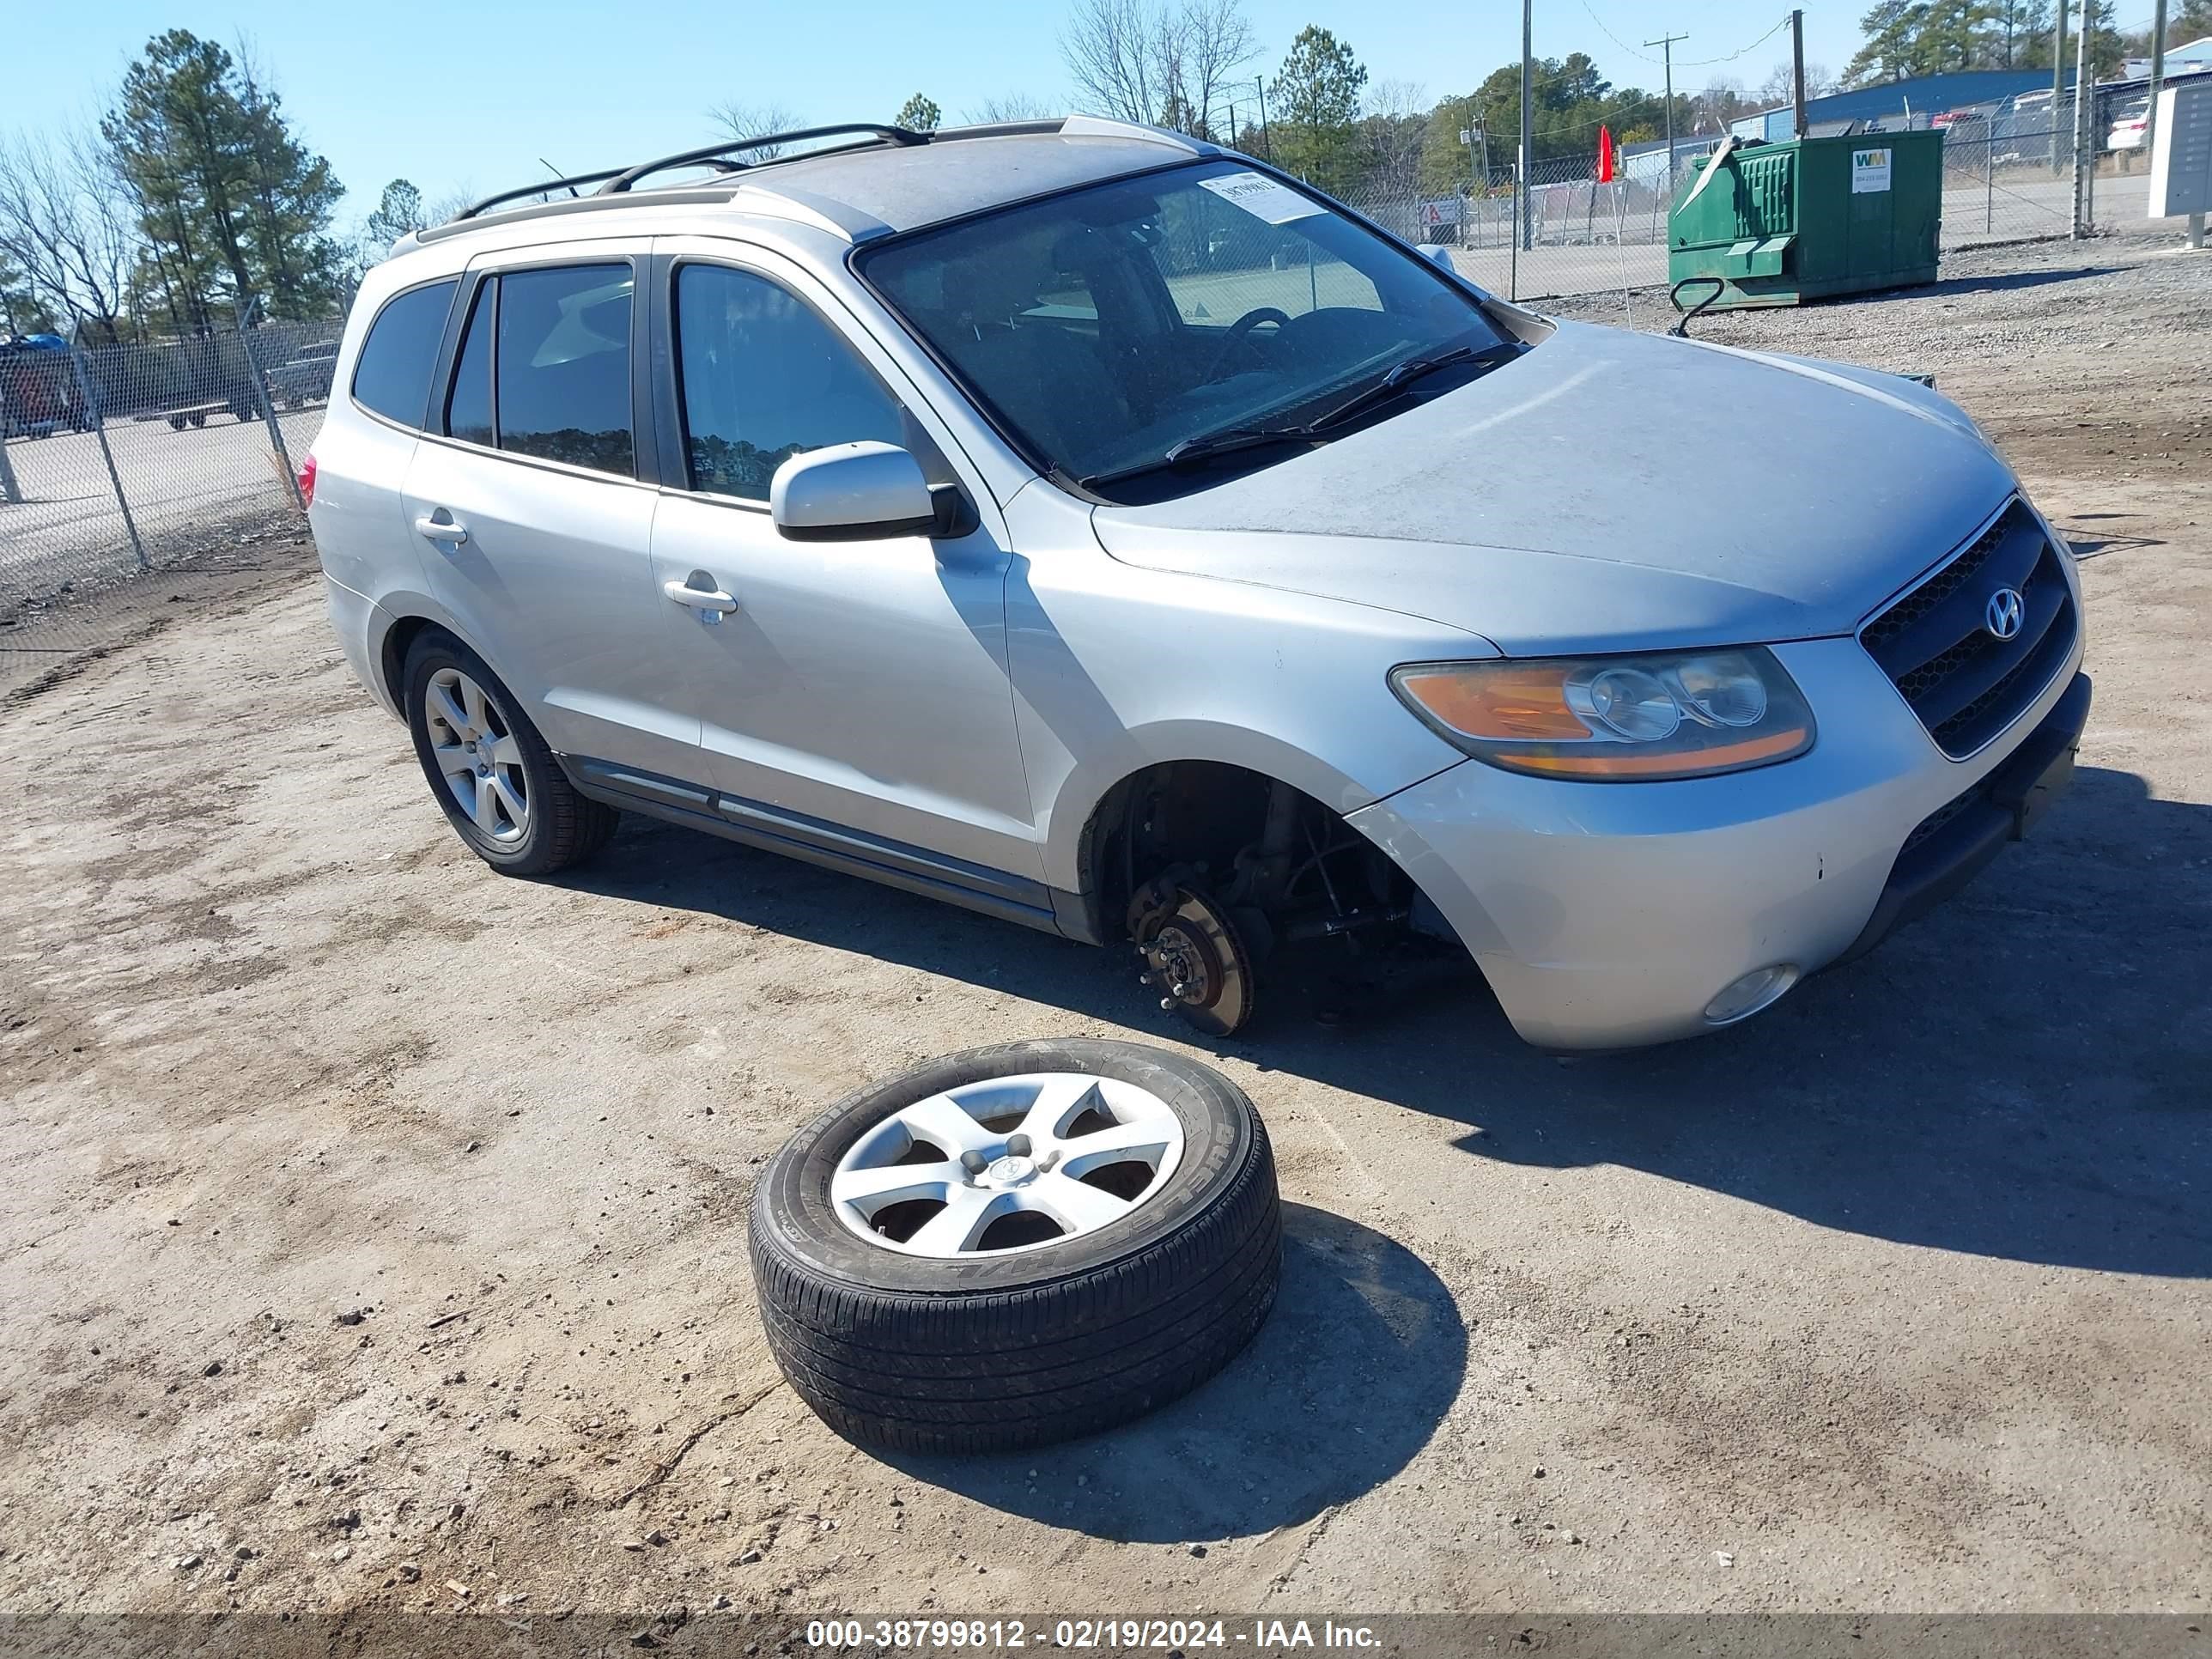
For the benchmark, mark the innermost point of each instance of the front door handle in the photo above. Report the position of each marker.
(448, 529)
(711, 602)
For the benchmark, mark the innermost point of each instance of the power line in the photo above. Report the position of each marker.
(1701, 62)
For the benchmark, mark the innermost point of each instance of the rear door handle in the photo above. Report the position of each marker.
(448, 529)
(711, 601)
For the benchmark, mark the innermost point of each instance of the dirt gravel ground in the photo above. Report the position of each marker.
(374, 1226)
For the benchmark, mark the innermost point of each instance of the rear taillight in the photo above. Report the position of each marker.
(308, 480)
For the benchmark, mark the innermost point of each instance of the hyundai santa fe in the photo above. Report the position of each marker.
(1096, 528)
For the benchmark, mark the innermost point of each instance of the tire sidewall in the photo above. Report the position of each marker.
(435, 651)
(792, 1217)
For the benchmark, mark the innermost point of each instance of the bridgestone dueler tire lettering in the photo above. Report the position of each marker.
(997, 1351)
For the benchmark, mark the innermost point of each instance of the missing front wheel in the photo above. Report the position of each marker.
(1195, 954)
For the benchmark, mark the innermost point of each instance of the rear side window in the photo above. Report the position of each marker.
(468, 409)
(393, 375)
(560, 379)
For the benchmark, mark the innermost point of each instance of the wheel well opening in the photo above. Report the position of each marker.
(393, 656)
(1253, 843)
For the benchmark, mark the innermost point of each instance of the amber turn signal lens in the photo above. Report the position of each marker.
(1503, 702)
(1721, 757)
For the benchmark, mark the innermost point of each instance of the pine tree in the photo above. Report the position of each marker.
(1315, 126)
(398, 211)
(227, 197)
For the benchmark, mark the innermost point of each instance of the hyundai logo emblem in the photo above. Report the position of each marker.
(2004, 613)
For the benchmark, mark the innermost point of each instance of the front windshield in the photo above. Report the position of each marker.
(1105, 326)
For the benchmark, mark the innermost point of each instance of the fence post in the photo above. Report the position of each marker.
(98, 416)
(2085, 140)
(268, 409)
(1513, 260)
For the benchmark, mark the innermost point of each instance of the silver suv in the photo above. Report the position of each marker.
(1099, 529)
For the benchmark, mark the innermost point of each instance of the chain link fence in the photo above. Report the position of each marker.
(2008, 175)
(121, 461)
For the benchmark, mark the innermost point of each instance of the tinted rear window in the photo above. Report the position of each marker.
(562, 376)
(468, 410)
(393, 375)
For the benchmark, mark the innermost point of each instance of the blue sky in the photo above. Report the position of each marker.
(454, 95)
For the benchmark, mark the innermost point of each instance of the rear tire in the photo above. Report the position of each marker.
(994, 1349)
(523, 816)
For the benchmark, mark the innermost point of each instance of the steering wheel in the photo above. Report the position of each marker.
(1239, 334)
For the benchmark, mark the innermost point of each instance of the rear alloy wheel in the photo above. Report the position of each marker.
(1017, 1245)
(489, 771)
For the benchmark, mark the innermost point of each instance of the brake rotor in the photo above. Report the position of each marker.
(1194, 955)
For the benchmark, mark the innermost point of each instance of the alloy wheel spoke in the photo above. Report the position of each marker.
(508, 798)
(1117, 1144)
(1056, 1102)
(453, 761)
(956, 1227)
(944, 1123)
(505, 751)
(446, 708)
(1083, 1208)
(869, 1190)
(473, 700)
(484, 808)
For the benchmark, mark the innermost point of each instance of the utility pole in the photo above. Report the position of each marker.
(2085, 136)
(1665, 45)
(1526, 238)
(1797, 65)
(1266, 144)
(2157, 77)
(2057, 82)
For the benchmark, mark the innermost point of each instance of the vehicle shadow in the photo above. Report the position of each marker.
(2019, 1074)
(1348, 1380)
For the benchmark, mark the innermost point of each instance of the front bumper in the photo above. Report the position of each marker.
(1608, 915)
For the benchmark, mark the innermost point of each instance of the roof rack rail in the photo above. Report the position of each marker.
(718, 154)
(540, 189)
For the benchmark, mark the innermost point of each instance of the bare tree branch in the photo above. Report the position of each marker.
(66, 228)
(1009, 107)
(743, 121)
(1107, 47)
(1219, 42)
(1165, 62)
(1394, 132)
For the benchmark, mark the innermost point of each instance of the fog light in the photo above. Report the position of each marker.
(1741, 999)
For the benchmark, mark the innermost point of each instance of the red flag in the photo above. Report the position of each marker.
(1605, 156)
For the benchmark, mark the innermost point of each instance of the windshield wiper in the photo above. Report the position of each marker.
(1394, 381)
(1236, 437)
(1402, 375)
(1206, 445)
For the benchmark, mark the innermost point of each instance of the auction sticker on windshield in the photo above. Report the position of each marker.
(1262, 197)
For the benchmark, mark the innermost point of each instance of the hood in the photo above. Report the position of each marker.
(1609, 490)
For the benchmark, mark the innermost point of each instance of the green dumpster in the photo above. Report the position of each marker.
(1809, 218)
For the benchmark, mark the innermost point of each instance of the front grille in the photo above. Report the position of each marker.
(1965, 684)
(1936, 821)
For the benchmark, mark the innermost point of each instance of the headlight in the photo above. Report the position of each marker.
(1680, 714)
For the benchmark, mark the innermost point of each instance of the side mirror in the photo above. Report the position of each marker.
(1438, 254)
(850, 493)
